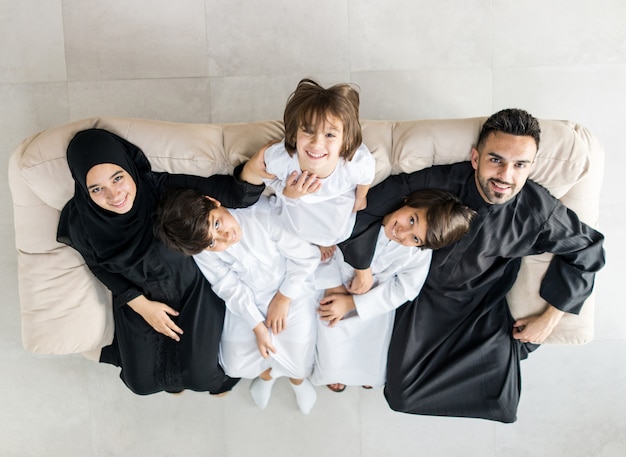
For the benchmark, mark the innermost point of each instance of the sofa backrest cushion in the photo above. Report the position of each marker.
(64, 309)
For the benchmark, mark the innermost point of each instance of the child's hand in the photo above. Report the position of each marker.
(263, 340)
(334, 306)
(336, 290)
(359, 204)
(277, 312)
(327, 252)
(157, 314)
(254, 170)
(299, 186)
(362, 282)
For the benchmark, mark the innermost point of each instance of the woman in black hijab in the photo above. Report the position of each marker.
(168, 321)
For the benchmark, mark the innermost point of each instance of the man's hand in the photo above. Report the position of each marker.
(362, 282)
(277, 312)
(157, 314)
(535, 329)
(299, 186)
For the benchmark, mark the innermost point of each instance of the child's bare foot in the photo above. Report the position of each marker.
(327, 252)
(336, 387)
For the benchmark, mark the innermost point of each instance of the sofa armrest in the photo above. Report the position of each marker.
(524, 301)
(583, 197)
(63, 309)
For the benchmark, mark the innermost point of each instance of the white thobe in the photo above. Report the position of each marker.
(354, 351)
(246, 276)
(325, 217)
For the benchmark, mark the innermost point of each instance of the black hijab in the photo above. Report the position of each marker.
(116, 242)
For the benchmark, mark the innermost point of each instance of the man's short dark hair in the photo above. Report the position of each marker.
(513, 121)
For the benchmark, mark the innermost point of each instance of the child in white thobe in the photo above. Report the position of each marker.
(264, 275)
(354, 351)
(322, 170)
(325, 217)
(354, 330)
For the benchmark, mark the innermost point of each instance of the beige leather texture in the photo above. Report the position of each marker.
(66, 310)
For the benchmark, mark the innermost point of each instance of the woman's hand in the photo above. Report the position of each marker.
(360, 198)
(359, 204)
(254, 170)
(157, 314)
(277, 312)
(263, 340)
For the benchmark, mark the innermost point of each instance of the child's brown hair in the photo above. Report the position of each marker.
(447, 218)
(310, 105)
(181, 220)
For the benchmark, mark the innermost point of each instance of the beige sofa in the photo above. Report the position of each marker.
(66, 310)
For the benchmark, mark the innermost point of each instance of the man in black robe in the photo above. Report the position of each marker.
(455, 349)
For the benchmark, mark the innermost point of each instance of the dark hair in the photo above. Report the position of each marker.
(181, 220)
(512, 121)
(310, 105)
(447, 218)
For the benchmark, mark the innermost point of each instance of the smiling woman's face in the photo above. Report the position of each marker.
(111, 188)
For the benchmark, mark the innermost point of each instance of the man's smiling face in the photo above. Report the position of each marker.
(502, 165)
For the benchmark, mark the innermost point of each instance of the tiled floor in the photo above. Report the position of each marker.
(236, 61)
